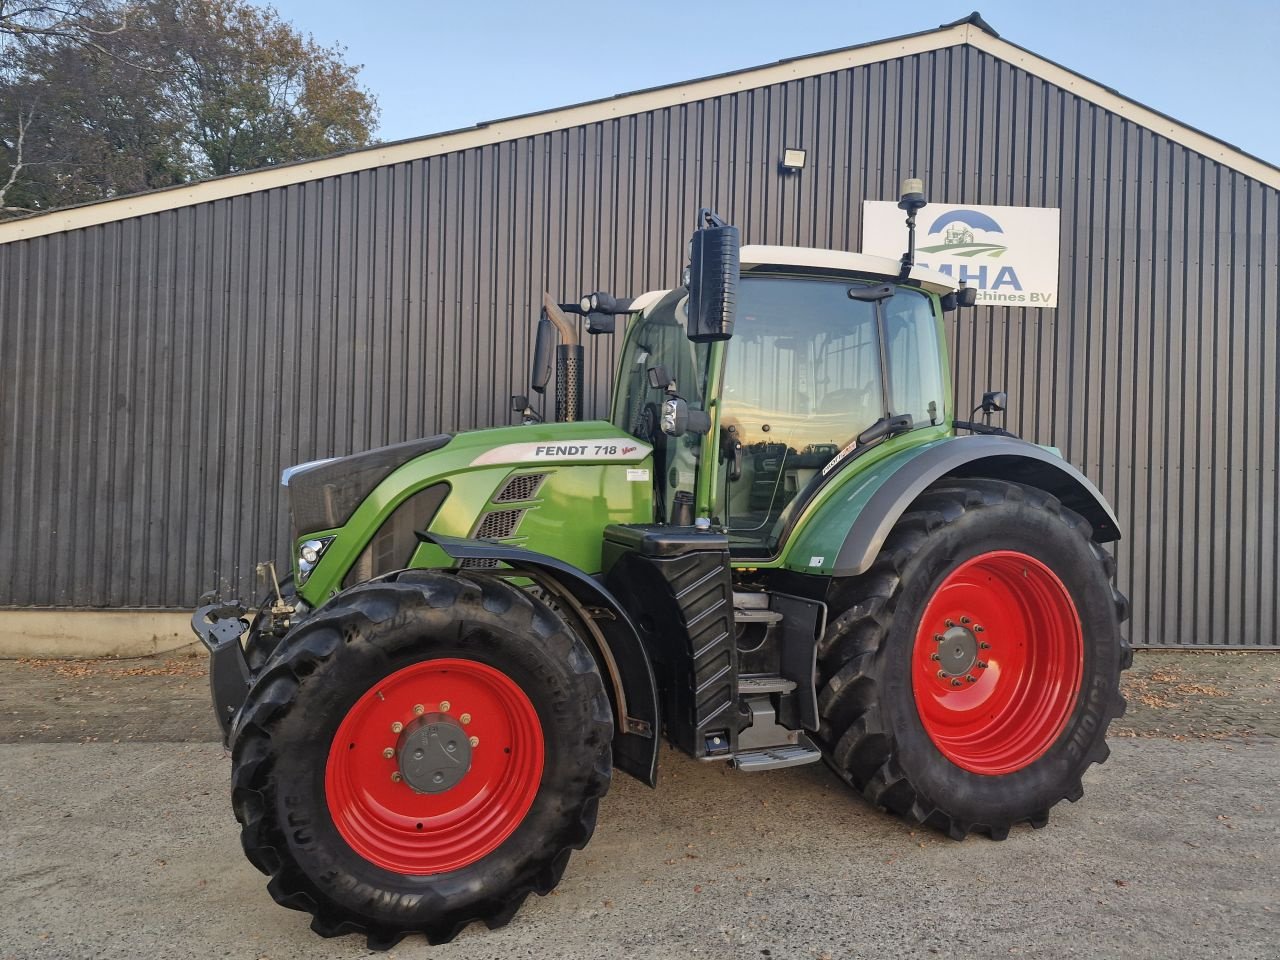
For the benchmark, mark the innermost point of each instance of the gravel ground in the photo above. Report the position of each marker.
(118, 841)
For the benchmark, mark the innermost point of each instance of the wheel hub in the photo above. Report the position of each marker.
(957, 651)
(997, 662)
(434, 766)
(434, 753)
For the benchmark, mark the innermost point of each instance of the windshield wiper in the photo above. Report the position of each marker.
(886, 427)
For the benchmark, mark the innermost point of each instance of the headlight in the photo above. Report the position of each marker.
(309, 554)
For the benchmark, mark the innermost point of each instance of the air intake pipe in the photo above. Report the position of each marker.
(569, 360)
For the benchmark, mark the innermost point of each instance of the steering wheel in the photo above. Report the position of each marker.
(838, 401)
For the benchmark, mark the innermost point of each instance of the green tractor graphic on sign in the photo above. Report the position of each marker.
(957, 230)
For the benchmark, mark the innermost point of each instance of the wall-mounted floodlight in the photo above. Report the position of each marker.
(792, 160)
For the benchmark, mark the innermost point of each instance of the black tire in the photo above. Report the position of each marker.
(872, 733)
(283, 734)
(258, 645)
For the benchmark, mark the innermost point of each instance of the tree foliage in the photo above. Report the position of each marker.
(101, 97)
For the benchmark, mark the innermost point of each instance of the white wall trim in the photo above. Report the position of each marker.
(627, 105)
(92, 633)
(1097, 94)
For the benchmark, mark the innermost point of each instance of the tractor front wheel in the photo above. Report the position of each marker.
(969, 677)
(424, 753)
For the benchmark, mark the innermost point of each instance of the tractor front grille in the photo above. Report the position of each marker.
(521, 488)
(498, 524)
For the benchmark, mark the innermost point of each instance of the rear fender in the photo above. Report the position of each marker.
(990, 456)
(608, 630)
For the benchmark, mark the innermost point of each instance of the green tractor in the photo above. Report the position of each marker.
(781, 547)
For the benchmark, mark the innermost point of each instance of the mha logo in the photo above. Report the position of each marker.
(969, 234)
(1010, 254)
(958, 236)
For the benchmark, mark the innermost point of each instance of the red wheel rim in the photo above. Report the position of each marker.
(395, 826)
(997, 662)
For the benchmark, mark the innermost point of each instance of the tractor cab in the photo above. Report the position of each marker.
(830, 352)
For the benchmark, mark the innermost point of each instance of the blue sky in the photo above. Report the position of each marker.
(441, 65)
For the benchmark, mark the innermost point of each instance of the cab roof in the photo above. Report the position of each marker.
(838, 260)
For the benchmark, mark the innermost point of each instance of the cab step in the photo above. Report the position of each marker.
(754, 608)
(751, 685)
(775, 758)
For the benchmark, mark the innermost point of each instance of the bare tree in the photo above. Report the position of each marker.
(17, 161)
(67, 21)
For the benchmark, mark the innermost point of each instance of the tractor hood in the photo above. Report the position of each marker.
(324, 493)
(552, 487)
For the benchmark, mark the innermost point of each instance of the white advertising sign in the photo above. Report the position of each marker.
(1010, 254)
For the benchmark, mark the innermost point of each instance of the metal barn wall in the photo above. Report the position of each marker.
(157, 372)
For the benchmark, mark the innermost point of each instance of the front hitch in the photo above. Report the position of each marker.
(219, 625)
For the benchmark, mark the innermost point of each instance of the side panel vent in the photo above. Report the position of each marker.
(521, 488)
(393, 546)
(498, 524)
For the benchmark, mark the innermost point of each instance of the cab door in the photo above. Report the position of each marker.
(812, 364)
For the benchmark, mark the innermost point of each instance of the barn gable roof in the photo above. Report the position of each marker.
(971, 30)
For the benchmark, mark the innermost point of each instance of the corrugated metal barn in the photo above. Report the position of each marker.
(163, 356)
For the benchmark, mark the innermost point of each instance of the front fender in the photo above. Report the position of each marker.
(872, 501)
(608, 630)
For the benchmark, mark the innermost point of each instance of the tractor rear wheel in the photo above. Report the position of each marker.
(968, 678)
(422, 754)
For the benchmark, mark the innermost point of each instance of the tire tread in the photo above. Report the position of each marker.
(300, 653)
(853, 735)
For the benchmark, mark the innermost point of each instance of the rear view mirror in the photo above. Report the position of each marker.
(542, 348)
(994, 401)
(967, 296)
(713, 279)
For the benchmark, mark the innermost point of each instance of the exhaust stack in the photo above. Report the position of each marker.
(569, 360)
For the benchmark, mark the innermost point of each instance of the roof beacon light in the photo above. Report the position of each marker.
(912, 200)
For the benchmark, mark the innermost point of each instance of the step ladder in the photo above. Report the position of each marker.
(775, 758)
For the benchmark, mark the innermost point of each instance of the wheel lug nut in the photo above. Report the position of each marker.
(475, 741)
(388, 753)
(444, 706)
(465, 718)
(395, 777)
(978, 628)
(955, 683)
(984, 645)
(938, 638)
(934, 656)
(965, 620)
(950, 623)
(982, 664)
(397, 727)
(971, 678)
(942, 675)
(418, 710)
